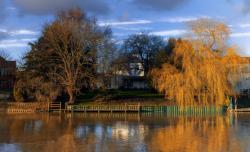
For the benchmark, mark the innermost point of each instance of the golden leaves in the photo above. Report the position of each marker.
(202, 69)
(193, 77)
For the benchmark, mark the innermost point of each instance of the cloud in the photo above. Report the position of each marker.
(162, 5)
(118, 23)
(241, 34)
(175, 32)
(133, 28)
(121, 23)
(164, 33)
(182, 19)
(3, 35)
(44, 7)
(179, 19)
(23, 32)
(16, 39)
(245, 25)
(10, 43)
(5, 32)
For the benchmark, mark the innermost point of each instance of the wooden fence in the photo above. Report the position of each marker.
(189, 110)
(16, 107)
(104, 108)
(31, 107)
(55, 106)
(171, 110)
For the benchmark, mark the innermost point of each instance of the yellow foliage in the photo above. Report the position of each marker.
(194, 77)
(201, 70)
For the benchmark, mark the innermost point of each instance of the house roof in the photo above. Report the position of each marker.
(5, 63)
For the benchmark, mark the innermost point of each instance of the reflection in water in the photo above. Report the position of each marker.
(9, 148)
(120, 132)
(192, 134)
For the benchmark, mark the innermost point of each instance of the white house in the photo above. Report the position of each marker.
(132, 78)
(243, 85)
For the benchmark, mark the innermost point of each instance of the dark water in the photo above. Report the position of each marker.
(123, 133)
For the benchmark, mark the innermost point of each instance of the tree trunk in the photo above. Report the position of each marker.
(235, 103)
(71, 96)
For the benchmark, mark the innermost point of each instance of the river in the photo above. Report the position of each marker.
(105, 132)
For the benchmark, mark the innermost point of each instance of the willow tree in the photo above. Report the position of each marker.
(199, 68)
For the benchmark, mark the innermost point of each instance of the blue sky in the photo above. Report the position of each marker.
(21, 21)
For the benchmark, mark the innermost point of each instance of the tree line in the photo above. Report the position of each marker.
(73, 51)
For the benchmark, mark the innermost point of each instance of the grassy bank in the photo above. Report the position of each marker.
(121, 97)
(145, 97)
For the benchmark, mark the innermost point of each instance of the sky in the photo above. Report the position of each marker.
(21, 21)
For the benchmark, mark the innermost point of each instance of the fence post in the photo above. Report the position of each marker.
(125, 108)
(48, 106)
(139, 107)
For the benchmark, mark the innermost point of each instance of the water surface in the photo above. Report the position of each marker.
(123, 133)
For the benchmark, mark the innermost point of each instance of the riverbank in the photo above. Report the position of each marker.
(116, 101)
(111, 108)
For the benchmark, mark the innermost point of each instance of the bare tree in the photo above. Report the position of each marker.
(64, 58)
(144, 47)
(214, 34)
(73, 39)
(106, 54)
(4, 54)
